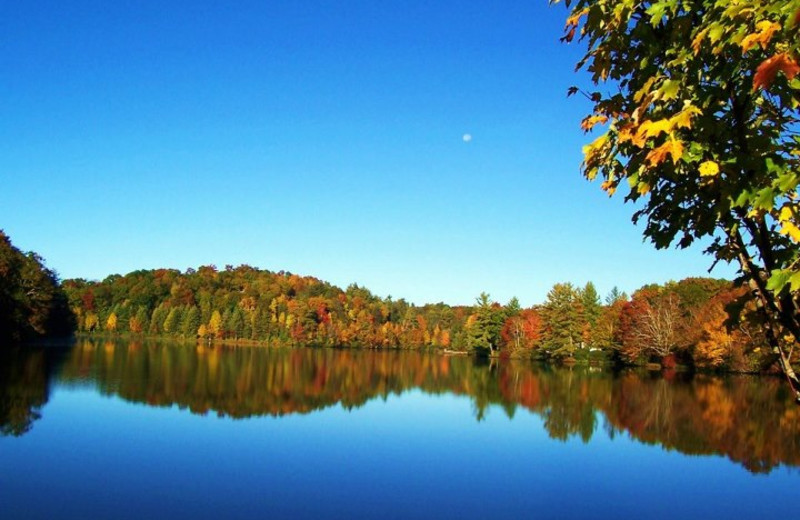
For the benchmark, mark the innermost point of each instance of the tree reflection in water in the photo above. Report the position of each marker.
(751, 420)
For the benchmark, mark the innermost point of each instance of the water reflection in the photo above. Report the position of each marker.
(25, 376)
(751, 420)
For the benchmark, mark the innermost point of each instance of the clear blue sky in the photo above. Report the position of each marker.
(320, 137)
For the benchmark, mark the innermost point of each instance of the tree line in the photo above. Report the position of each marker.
(698, 321)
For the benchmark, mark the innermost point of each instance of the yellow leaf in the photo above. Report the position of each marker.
(593, 148)
(786, 215)
(625, 133)
(709, 169)
(589, 122)
(683, 119)
(765, 30)
(699, 40)
(648, 85)
(609, 187)
(788, 228)
(575, 19)
(672, 147)
(653, 128)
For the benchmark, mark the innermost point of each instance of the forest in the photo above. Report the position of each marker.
(697, 322)
(32, 302)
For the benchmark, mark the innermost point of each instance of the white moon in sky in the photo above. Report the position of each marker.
(467, 138)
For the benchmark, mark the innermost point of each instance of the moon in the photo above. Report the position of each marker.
(466, 138)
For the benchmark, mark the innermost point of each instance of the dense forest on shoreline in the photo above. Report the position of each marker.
(32, 303)
(700, 322)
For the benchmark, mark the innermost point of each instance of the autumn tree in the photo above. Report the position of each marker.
(698, 105)
(522, 331)
(649, 325)
(606, 330)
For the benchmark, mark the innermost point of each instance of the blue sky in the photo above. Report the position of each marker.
(319, 137)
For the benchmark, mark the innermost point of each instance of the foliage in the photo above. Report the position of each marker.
(701, 124)
(31, 302)
(486, 327)
(563, 320)
(244, 304)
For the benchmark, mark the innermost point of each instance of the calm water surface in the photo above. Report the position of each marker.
(140, 430)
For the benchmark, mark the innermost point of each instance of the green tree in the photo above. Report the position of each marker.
(157, 319)
(590, 301)
(236, 323)
(172, 321)
(31, 301)
(615, 295)
(484, 333)
(700, 110)
(562, 320)
(190, 322)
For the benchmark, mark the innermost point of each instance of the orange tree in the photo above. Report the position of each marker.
(697, 102)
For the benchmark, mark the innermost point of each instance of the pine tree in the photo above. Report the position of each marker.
(562, 319)
(484, 332)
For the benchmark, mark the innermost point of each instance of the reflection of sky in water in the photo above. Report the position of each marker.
(413, 455)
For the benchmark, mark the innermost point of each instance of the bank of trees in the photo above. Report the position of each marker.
(697, 321)
(32, 303)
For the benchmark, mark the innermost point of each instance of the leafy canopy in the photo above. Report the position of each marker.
(697, 105)
(701, 124)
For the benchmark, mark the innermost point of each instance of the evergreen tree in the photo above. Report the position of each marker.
(616, 296)
(484, 333)
(236, 323)
(562, 320)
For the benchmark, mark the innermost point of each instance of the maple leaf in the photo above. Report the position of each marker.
(765, 31)
(589, 122)
(709, 169)
(672, 147)
(788, 227)
(765, 74)
(683, 119)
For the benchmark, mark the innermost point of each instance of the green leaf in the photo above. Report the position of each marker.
(656, 12)
(743, 199)
(778, 280)
(765, 200)
(669, 89)
(794, 281)
(715, 31)
(788, 181)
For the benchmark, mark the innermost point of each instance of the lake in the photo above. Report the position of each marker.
(105, 429)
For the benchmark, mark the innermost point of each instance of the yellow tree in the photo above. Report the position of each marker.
(111, 322)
